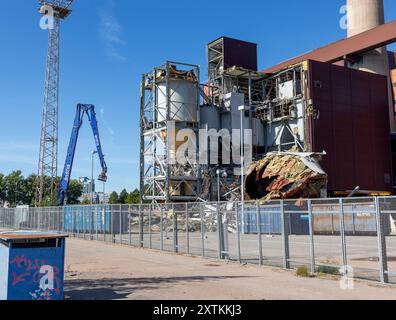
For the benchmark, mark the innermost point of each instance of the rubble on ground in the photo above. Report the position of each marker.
(286, 175)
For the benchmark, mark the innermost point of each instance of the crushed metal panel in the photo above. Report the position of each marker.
(284, 175)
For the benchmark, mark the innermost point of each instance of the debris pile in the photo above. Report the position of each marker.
(286, 175)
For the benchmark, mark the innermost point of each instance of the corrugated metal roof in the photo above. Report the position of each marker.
(363, 42)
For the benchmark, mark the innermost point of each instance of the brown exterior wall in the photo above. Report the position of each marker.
(353, 127)
(393, 80)
(392, 60)
(240, 53)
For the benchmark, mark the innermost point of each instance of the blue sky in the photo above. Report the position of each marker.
(105, 47)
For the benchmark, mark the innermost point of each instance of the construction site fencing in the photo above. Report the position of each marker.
(354, 237)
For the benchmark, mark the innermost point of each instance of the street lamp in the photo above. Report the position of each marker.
(242, 109)
(223, 174)
(104, 192)
(92, 176)
(222, 223)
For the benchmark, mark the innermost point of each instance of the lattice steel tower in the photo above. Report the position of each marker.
(48, 158)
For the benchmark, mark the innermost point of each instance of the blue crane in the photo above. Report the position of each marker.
(89, 110)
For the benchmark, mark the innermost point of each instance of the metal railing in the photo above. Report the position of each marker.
(353, 235)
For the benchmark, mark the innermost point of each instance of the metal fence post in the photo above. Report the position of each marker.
(48, 219)
(383, 262)
(175, 235)
(91, 223)
(112, 220)
(187, 231)
(97, 223)
(238, 232)
(219, 233)
(129, 225)
(202, 231)
(260, 243)
(104, 224)
(120, 223)
(162, 228)
(343, 237)
(73, 222)
(83, 224)
(150, 234)
(141, 227)
(285, 237)
(311, 237)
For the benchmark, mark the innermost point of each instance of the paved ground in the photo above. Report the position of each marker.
(362, 251)
(95, 270)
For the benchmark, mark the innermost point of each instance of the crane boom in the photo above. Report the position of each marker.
(89, 110)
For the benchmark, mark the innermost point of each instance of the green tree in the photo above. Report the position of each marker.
(14, 184)
(48, 199)
(75, 192)
(29, 190)
(113, 199)
(133, 197)
(123, 197)
(2, 189)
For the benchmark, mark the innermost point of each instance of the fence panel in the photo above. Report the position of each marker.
(328, 223)
(195, 230)
(388, 211)
(322, 234)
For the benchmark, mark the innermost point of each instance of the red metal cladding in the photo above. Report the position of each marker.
(352, 127)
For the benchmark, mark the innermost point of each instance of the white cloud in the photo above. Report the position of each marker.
(109, 129)
(111, 32)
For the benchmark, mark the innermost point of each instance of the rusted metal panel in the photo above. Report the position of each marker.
(336, 51)
(359, 219)
(352, 127)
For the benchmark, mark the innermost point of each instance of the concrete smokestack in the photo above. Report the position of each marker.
(364, 15)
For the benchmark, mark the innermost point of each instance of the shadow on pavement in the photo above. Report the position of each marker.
(121, 288)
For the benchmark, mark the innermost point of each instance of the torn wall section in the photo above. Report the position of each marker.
(286, 175)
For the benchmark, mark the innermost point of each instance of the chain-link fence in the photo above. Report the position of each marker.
(354, 235)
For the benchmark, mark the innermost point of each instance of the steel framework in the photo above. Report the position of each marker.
(160, 179)
(48, 157)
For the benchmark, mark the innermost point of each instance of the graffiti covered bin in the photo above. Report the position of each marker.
(31, 265)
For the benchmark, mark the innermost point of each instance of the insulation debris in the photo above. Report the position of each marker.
(286, 175)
